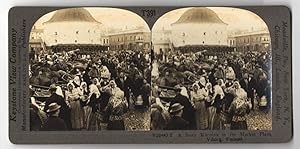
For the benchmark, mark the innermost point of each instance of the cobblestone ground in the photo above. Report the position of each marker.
(137, 120)
(259, 120)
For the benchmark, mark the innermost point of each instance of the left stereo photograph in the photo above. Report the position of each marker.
(89, 70)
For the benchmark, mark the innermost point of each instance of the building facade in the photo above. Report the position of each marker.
(251, 41)
(199, 27)
(72, 26)
(36, 42)
(161, 41)
(130, 40)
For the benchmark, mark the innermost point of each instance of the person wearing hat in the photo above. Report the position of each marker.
(64, 110)
(188, 110)
(53, 122)
(177, 122)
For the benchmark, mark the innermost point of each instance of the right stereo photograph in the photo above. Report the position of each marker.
(211, 70)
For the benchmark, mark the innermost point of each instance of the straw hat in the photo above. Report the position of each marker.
(53, 107)
(176, 107)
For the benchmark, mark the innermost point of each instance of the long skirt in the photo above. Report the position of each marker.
(201, 115)
(211, 117)
(94, 121)
(218, 123)
(87, 110)
(241, 125)
(76, 115)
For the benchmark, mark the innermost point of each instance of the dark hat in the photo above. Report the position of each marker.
(53, 107)
(176, 107)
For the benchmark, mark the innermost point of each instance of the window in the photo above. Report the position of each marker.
(183, 34)
(75, 41)
(203, 42)
(216, 32)
(204, 33)
(55, 33)
(77, 32)
(88, 31)
(55, 41)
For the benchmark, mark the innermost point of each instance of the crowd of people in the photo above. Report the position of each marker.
(209, 92)
(73, 90)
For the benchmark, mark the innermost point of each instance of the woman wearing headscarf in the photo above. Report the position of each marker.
(211, 110)
(92, 110)
(76, 82)
(107, 91)
(73, 98)
(84, 99)
(238, 110)
(116, 108)
(236, 90)
(199, 95)
(239, 107)
(217, 103)
(184, 92)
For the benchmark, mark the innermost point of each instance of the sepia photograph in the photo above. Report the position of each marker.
(211, 70)
(150, 74)
(90, 70)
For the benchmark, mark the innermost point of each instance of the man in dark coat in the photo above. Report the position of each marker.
(64, 110)
(249, 85)
(188, 110)
(53, 122)
(177, 122)
(123, 83)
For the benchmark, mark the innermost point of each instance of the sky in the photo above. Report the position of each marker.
(237, 19)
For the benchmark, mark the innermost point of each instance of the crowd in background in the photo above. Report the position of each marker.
(207, 91)
(83, 90)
